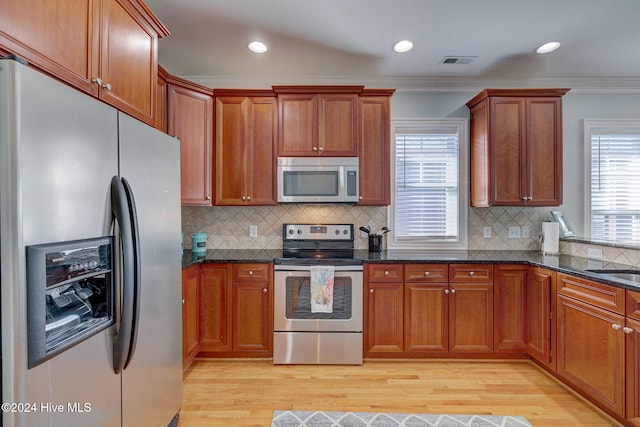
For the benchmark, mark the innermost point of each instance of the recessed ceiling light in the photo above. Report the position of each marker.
(257, 47)
(548, 47)
(403, 46)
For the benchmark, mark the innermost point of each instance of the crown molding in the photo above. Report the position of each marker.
(608, 85)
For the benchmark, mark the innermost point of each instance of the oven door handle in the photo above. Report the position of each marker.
(336, 268)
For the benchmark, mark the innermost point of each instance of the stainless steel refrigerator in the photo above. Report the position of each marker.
(60, 150)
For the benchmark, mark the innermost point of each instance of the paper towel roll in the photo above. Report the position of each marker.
(550, 242)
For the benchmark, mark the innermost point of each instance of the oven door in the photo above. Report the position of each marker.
(292, 305)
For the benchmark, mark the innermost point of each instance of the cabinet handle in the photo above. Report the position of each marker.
(315, 148)
(97, 80)
(244, 198)
(529, 198)
(264, 290)
(453, 291)
(107, 86)
(426, 273)
(370, 291)
(627, 330)
(616, 327)
(321, 149)
(248, 198)
(183, 301)
(471, 273)
(386, 272)
(446, 291)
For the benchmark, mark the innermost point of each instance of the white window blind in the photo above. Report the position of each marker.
(427, 185)
(615, 186)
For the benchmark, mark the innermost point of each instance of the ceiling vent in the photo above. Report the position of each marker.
(458, 60)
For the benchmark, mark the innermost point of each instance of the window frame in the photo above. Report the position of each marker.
(592, 126)
(461, 125)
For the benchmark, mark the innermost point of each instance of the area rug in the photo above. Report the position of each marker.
(373, 419)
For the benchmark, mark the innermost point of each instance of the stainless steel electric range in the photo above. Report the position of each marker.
(305, 336)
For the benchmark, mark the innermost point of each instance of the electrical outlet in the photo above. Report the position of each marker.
(594, 253)
(525, 232)
(514, 232)
(253, 231)
(486, 232)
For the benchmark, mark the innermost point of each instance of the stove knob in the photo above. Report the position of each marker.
(291, 231)
(299, 231)
(337, 232)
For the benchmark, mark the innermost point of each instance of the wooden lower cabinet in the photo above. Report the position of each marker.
(416, 310)
(510, 308)
(591, 340)
(252, 309)
(384, 318)
(215, 329)
(190, 311)
(632, 343)
(540, 335)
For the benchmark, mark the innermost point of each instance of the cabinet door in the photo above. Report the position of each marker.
(190, 340)
(252, 317)
(214, 326)
(470, 318)
(374, 150)
(128, 60)
(384, 318)
(298, 125)
(510, 314)
(62, 37)
(231, 142)
(191, 120)
(260, 167)
(337, 124)
(507, 130)
(544, 151)
(632, 345)
(426, 317)
(538, 307)
(591, 351)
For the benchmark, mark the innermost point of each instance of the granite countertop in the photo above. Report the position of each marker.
(577, 266)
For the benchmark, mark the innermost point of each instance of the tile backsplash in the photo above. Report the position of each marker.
(228, 227)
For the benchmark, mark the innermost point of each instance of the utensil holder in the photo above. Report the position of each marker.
(199, 242)
(375, 242)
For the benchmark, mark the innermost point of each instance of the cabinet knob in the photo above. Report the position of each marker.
(471, 273)
(321, 149)
(244, 198)
(315, 148)
(446, 291)
(183, 301)
(529, 198)
(360, 197)
(370, 291)
(106, 86)
(453, 291)
(426, 273)
(264, 290)
(248, 198)
(616, 327)
(97, 80)
(386, 272)
(627, 330)
(250, 272)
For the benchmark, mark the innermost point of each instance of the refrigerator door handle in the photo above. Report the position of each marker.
(124, 310)
(137, 283)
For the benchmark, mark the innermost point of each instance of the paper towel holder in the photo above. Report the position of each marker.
(565, 228)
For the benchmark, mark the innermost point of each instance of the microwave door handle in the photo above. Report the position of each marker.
(124, 312)
(137, 283)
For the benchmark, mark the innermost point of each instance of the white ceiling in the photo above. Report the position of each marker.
(350, 41)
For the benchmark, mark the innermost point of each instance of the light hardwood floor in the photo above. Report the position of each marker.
(245, 393)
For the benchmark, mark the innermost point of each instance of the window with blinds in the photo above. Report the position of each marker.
(427, 185)
(615, 184)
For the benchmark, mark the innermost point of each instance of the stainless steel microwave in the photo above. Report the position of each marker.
(318, 179)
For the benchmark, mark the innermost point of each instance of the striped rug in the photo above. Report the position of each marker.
(373, 419)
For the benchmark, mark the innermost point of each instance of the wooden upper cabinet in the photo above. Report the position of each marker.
(246, 132)
(516, 147)
(374, 136)
(317, 120)
(107, 48)
(190, 118)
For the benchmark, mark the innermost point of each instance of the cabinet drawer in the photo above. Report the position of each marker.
(255, 272)
(598, 294)
(426, 272)
(384, 273)
(471, 273)
(633, 304)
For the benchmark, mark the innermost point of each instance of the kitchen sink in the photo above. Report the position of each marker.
(630, 275)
